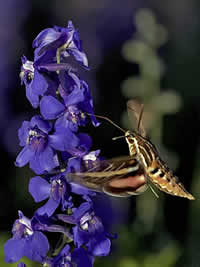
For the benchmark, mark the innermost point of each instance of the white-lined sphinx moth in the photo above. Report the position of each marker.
(131, 175)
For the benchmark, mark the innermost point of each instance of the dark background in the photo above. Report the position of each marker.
(152, 232)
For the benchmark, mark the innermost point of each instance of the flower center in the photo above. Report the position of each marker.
(58, 189)
(86, 220)
(73, 114)
(27, 72)
(22, 229)
(37, 139)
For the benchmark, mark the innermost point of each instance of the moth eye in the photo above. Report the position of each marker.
(155, 171)
(133, 163)
(161, 174)
(131, 141)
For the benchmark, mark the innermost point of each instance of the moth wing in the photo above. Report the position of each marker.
(117, 177)
(135, 113)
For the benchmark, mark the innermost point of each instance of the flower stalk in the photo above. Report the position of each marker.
(53, 146)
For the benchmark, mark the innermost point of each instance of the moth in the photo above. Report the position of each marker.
(133, 174)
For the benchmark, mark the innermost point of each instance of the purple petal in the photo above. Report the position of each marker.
(37, 247)
(32, 96)
(48, 208)
(85, 141)
(99, 246)
(21, 264)
(44, 161)
(63, 139)
(23, 133)
(80, 190)
(80, 236)
(79, 56)
(68, 82)
(45, 37)
(24, 59)
(39, 83)
(67, 218)
(14, 249)
(72, 78)
(55, 67)
(39, 188)
(50, 107)
(41, 58)
(62, 122)
(43, 125)
(24, 157)
(50, 39)
(74, 165)
(74, 98)
(81, 210)
(82, 258)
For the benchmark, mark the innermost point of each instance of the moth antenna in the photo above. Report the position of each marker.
(153, 191)
(107, 119)
(118, 137)
(140, 118)
(121, 136)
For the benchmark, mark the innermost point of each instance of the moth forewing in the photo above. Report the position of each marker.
(118, 177)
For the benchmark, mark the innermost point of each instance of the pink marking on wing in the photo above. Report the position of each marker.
(131, 181)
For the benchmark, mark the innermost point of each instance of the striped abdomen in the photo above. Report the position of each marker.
(165, 180)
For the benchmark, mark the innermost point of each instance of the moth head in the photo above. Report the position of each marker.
(130, 136)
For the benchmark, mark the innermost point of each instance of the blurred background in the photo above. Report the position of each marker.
(147, 49)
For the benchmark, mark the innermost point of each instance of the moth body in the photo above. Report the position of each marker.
(155, 169)
(130, 175)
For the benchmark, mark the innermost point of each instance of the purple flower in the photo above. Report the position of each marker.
(49, 224)
(79, 164)
(21, 264)
(89, 230)
(39, 146)
(85, 143)
(53, 146)
(66, 39)
(71, 113)
(78, 258)
(25, 242)
(68, 82)
(36, 84)
(57, 191)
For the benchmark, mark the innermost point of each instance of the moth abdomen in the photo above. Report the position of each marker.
(166, 181)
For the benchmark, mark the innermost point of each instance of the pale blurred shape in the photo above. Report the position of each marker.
(135, 86)
(152, 32)
(136, 51)
(139, 52)
(168, 102)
